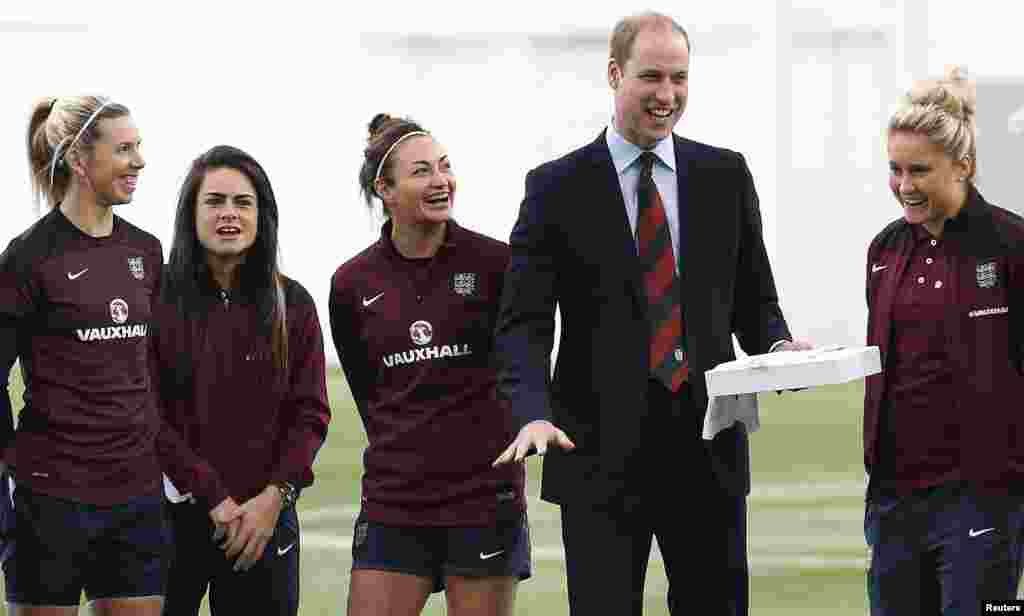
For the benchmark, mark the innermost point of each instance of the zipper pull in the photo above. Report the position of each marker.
(224, 297)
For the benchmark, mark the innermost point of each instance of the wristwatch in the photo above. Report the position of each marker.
(288, 493)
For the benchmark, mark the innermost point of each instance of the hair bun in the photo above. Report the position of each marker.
(955, 94)
(378, 122)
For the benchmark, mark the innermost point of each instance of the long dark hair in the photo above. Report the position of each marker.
(260, 279)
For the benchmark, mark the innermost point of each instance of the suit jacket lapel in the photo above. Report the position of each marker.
(687, 213)
(610, 216)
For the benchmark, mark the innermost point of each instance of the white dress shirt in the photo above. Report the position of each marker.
(626, 158)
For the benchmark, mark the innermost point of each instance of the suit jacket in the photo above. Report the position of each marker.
(985, 333)
(572, 246)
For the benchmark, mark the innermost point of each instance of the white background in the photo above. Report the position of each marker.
(802, 88)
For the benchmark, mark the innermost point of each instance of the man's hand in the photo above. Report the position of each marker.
(225, 517)
(794, 345)
(258, 521)
(534, 436)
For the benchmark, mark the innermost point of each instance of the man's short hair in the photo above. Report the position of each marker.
(626, 30)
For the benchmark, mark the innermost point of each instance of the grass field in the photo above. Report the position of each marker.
(806, 544)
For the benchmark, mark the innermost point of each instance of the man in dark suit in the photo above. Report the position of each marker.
(651, 246)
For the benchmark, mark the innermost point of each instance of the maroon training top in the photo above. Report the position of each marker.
(75, 310)
(415, 341)
(232, 425)
(919, 442)
(951, 335)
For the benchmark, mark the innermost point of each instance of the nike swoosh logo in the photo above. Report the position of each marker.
(878, 268)
(367, 302)
(975, 533)
(285, 550)
(491, 555)
(73, 276)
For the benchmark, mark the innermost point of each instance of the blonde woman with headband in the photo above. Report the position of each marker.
(412, 317)
(85, 513)
(943, 429)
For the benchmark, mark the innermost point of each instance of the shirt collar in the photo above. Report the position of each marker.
(452, 233)
(920, 233)
(968, 211)
(211, 289)
(625, 153)
(956, 223)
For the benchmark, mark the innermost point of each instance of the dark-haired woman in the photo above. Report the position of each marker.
(75, 295)
(412, 317)
(240, 369)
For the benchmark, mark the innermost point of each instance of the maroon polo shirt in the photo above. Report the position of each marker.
(920, 437)
(947, 403)
(233, 424)
(75, 310)
(415, 341)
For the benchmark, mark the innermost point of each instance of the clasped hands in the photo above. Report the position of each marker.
(243, 531)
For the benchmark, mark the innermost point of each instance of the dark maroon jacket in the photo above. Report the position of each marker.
(984, 325)
(75, 312)
(232, 425)
(415, 341)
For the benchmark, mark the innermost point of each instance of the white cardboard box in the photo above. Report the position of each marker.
(792, 370)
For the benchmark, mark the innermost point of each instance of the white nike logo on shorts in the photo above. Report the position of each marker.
(285, 550)
(975, 533)
(491, 555)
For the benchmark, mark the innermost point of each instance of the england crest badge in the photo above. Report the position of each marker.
(987, 275)
(136, 267)
(464, 283)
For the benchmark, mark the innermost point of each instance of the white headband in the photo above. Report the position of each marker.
(380, 165)
(56, 153)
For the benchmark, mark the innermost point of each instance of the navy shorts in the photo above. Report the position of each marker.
(199, 567)
(61, 548)
(435, 552)
(942, 550)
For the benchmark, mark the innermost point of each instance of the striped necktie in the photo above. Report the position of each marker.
(664, 311)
